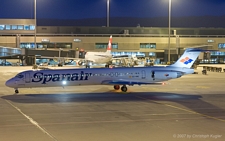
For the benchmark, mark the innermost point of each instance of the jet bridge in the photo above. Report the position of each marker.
(9, 51)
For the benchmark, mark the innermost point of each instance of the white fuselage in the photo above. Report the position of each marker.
(95, 76)
(98, 57)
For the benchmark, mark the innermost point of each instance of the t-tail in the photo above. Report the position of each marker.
(188, 58)
(109, 47)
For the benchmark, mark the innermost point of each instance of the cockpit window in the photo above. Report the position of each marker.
(19, 76)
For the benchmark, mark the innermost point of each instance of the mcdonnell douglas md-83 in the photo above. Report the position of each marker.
(106, 76)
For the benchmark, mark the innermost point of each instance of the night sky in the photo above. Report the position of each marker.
(81, 9)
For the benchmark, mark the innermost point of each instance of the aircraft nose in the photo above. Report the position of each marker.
(9, 83)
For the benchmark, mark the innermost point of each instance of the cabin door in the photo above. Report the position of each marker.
(143, 74)
(27, 77)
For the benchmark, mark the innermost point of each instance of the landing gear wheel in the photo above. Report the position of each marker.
(80, 63)
(116, 87)
(124, 88)
(16, 91)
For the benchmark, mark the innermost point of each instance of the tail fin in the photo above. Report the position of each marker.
(109, 48)
(188, 58)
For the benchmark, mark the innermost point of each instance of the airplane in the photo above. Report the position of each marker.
(104, 57)
(106, 76)
(90, 57)
(98, 57)
(125, 61)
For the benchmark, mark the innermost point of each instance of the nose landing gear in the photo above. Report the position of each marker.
(16, 91)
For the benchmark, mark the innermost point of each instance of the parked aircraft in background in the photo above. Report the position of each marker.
(106, 76)
(90, 57)
(98, 57)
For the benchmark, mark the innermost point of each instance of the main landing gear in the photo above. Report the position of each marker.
(123, 88)
(107, 66)
(88, 66)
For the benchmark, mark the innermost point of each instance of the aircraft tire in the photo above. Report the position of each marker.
(124, 88)
(80, 63)
(16, 91)
(116, 87)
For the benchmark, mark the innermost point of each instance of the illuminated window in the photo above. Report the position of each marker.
(26, 27)
(148, 45)
(151, 53)
(14, 27)
(105, 45)
(8, 27)
(221, 45)
(32, 27)
(2, 27)
(20, 27)
(47, 45)
(217, 53)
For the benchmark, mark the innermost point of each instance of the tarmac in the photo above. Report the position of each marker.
(188, 108)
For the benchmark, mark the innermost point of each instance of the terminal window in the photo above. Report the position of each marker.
(217, 53)
(151, 53)
(14, 27)
(8, 27)
(221, 45)
(47, 45)
(20, 27)
(26, 27)
(2, 27)
(32, 27)
(104, 45)
(17, 27)
(148, 45)
(128, 53)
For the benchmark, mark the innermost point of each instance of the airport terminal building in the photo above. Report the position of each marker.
(141, 41)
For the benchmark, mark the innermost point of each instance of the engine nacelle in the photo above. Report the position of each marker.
(82, 62)
(165, 75)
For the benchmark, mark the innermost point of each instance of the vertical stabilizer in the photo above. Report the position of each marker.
(109, 47)
(188, 58)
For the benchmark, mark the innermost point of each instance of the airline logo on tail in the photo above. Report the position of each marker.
(109, 48)
(186, 60)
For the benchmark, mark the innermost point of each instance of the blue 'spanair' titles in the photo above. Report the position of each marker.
(44, 78)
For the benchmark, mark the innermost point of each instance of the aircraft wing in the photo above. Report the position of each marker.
(128, 82)
(121, 56)
(49, 57)
(59, 58)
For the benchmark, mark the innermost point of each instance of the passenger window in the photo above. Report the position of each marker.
(111, 74)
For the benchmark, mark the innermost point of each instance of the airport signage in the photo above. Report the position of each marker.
(77, 40)
(210, 41)
(45, 40)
